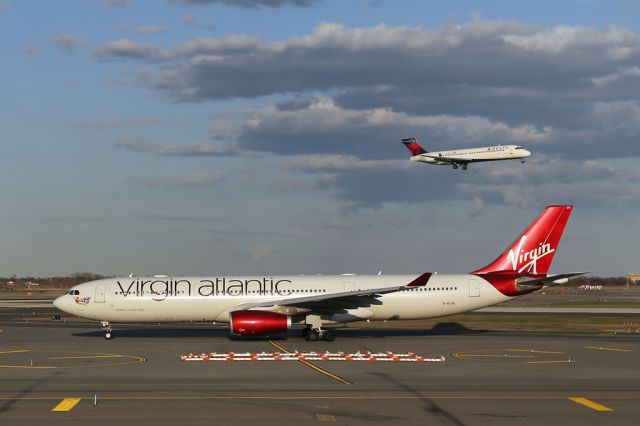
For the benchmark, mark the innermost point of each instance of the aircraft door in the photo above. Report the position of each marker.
(474, 288)
(100, 293)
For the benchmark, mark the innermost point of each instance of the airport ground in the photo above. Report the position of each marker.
(499, 369)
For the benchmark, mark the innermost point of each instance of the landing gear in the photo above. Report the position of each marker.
(464, 167)
(328, 336)
(313, 335)
(314, 332)
(455, 166)
(521, 161)
(107, 329)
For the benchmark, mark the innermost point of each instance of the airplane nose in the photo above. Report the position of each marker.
(58, 303)
(527, 153)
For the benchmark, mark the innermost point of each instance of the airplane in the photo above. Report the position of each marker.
(462, 157)
(268, 305)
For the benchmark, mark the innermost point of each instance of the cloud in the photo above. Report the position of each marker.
(123, 122)
(177, 217)
(195, 180)
(189, 19)
(261, 251)
(150, 29)
(68, 42)
(321, 127)
(250, 3)
(195, 150)
(476, 207)
(492, 54)
(115, 2)
(567, 93)
(30, 50)
(328, 163)
(125, 48)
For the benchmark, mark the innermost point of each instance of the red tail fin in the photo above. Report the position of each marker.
(531, 254)
(413, 146)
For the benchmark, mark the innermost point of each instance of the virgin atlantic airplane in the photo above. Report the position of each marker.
(265, 305)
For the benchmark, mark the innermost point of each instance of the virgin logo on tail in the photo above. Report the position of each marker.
(533, 251)
(519, 256)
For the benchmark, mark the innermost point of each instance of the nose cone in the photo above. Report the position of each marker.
(59, 303)
(526, 152)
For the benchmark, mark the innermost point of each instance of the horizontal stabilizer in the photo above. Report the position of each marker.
(549, 281)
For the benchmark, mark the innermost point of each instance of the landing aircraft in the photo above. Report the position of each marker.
(266, 305)
(462, 157)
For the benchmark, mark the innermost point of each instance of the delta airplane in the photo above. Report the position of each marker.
(266, 305)
(462, 157)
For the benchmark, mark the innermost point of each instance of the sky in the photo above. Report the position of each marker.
(211, 137)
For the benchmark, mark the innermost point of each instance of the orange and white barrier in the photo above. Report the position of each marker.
(311, 356)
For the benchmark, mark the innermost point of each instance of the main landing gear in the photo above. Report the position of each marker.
(107, 329)
(314, 334)
(463, 166)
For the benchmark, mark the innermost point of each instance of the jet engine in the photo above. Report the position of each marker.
(255, 323)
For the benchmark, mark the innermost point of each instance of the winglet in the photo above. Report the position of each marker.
(421, 281)
(413, 146)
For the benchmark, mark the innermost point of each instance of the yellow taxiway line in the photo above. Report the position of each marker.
(590, 404)
(313, 366)
(325, 398)
(600, 348)
(88, 356)
(66, 404)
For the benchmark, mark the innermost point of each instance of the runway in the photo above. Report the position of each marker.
(488, 378)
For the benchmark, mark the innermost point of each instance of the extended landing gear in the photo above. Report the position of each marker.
(462, 166)
(521, 161)
(455, 166)
(314, 334)
(107, 329)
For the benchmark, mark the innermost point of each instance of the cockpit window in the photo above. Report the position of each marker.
(518, 147)
(74, 292)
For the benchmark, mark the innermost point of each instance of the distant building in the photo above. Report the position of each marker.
(633, 279)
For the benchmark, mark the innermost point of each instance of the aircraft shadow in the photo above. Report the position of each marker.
(440, 329)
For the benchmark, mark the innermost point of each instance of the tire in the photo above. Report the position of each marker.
(312, 336)
(329, 336)
(305, 332)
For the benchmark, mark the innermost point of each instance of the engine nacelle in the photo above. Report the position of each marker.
(256, 323)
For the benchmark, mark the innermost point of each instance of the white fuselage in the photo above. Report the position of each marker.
(209, 299)
(473, 155)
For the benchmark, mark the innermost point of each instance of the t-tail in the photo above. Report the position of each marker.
(531, 253)
(413, 146)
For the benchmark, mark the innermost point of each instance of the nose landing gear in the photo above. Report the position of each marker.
(107, 329)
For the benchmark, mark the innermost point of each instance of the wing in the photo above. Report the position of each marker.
(333, 302)
(450, 160)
